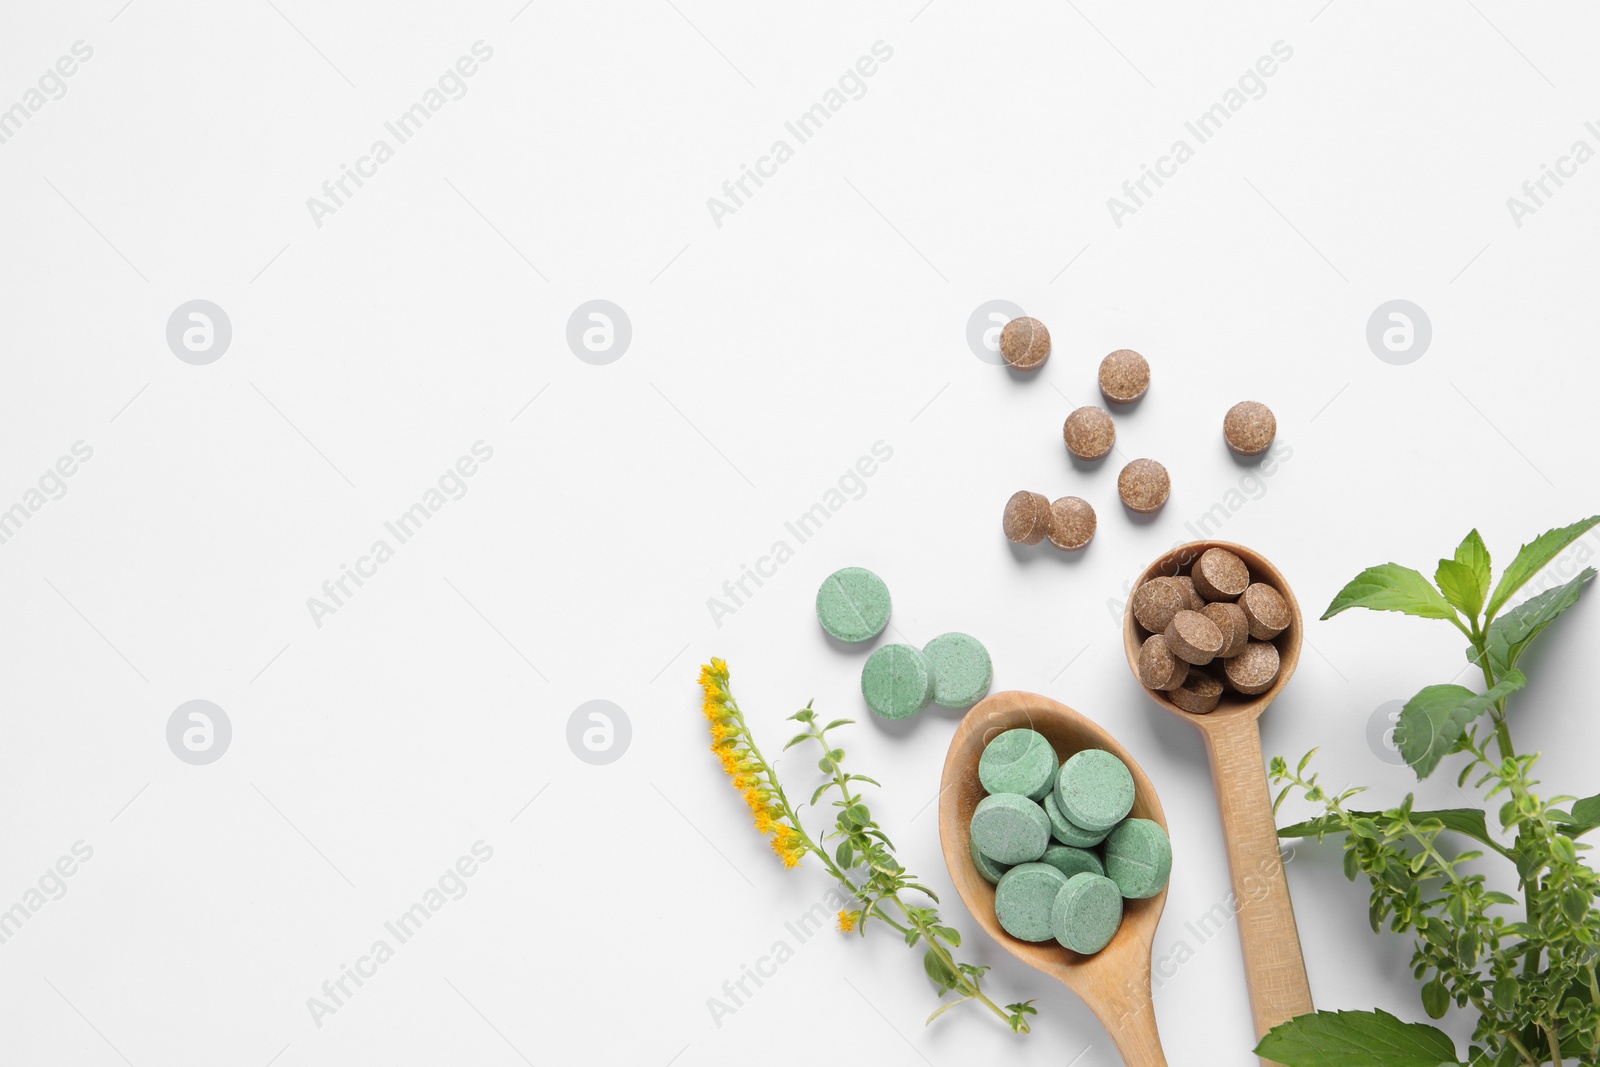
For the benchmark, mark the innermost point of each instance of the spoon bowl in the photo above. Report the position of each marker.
(1114, 982)
(1274, 967)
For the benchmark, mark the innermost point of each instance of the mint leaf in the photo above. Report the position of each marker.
(1464, 580)
(1532, 557)
(1434, 720)
(1356, 1039)
(1467, 821)
(1512, 633)
(1391, 587)
(1585, 817)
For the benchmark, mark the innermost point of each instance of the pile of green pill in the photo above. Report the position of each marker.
(1056, 842)
(899, 681)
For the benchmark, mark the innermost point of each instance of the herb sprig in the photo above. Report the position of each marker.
(1528, 967)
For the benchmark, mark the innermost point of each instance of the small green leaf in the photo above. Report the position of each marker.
(1435, 999)
(1356, 1039)
(1434, 720)
(1391, 587)
(1585, 817)
(1460, 585)
(1505, 992)
(1533, 556)
(949, 934)
(1512, 633)
(937, 970)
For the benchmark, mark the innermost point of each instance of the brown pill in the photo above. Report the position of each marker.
(1089, 432)
(1027, 518)
(1156, 602)
(1249, 428)
(1025, 343)
(1072, 523)
(1220, 575)
(1124, 376)
(1199, 692)
(1266, 611)
(1253, 670)
(1192, 598)
(1158, 667)
(1194, 638)
(1144, 485)
(1230, 619)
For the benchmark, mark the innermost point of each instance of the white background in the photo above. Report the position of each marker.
(768, 354)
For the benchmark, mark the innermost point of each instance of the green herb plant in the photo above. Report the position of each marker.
(1525, 966)
(856, 851)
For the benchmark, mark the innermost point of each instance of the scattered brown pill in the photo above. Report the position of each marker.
(1266, 611)
(1199, 692)
(1025, 343)
(1027, 517)
(1230, 619)
(1089, 432)
(1255, 669)
(1193, 638)
(1220, 575)
(1156, 602)
(1158, 667)
(1072, 523)
(1124, 376)
(1249, 428)
(1144, 485)
(1193, 600)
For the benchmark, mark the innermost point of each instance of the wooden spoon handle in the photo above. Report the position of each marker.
(1126, 1011)
(1273, 965)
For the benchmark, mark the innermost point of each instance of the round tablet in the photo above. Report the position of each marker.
(1070, 861)
(986, 867)
(1027, 517)
(1158, 667)
(1086, 913)
(1009, 828)
(853, 604)
(1144, 485)
(1019, 761)
(897, 682)
(1199, 693)
(1156, 602)
(1065, 830)
(1265, 610)
(1192, 598)
(961, 670)
(1220, 575)
(1094, 789)
(1249, 428)
(1089, 432)
(1024, 897)
(1025, 343)
(1254, 670)
(1072, 523)
(1193, 638)
(1139, 858)
(1124, 376)
(1230, 619)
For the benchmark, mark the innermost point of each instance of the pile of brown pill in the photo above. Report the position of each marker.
(1090, 433)
(1210, 629)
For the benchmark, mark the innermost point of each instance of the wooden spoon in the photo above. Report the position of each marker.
(1114, 982)
(1273, 965)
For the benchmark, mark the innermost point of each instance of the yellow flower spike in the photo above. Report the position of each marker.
(788, 853)
(847, 921)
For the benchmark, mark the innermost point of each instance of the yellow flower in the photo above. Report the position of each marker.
(847, 921)
(789, 850)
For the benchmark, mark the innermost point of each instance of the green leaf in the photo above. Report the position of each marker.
(1435, 999)
(1532, 557)
(1356, 1039)
(1391, 587)
(949, 934)
(1464, 580)
(1585, 817)
(942, 976)
(1512, 633)
(1473, 554)
(1435, 719)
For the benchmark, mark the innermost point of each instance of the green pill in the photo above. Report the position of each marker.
(1065, 830)
(1139, 858)
(962, 670)
(987, 867)
(1024, 899)
(1019, 761)
(853, 604)
(1094, 789)
(1070, 861)
(1086, 913)
(896, 682)
(1010, 828)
